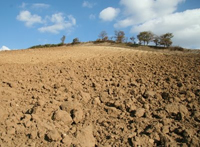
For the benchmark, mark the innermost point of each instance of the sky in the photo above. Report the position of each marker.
(34, 22)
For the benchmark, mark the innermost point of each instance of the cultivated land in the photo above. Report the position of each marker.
(103, 96)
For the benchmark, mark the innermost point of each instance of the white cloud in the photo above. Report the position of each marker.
(160, 16)
(4, 48)
(88, 4)
(58, 18)
(92, 16)
(34, 6)
(28, 18)
(59, 24)
(40, 5)
(52, 24)
(109, 14)
(143, 10)
(184, 25)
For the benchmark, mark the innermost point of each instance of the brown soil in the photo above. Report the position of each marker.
(102, 96)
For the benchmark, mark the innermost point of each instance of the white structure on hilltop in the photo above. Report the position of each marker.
(4, 48)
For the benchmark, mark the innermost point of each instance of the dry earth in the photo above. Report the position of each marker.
(86, 96)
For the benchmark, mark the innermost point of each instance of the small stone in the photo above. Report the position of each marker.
(169, 141)
(175, 108)
(158, 96)
(85, 97)
(165, 129)
(53, 136)
(41, 134)
(172, 108)
(183, 110)
(85, 137)
(97, 101)
(11, 131)
(77, 115)
(28, 124)
(142, 89)
(189, 99)
(2, 114)
(35, 118)
(176, 99)
(33, 135)
(184, 145)
(32, 144)
(195, 141)
(134, 84)
(188, 132)
(67, 140)
(68, 106)
(197, 116)
(190, 94)
(132, 108)
(151, 141)
(146, 106)
(40, 102)
(149, 94)
(73, 130)
(62, 116)
(140, 112)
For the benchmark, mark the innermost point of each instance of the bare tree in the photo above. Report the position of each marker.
(120, 36)
(103, 36)
(132, 39)
(63, 39)
(112, 37)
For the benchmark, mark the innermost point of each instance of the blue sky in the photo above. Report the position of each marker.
(34, 22)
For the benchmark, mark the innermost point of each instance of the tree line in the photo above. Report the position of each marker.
(62, 43)
(143, 37)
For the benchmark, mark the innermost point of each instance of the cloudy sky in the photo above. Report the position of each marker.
(34, 22)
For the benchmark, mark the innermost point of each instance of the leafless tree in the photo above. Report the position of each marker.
(103, 36)
(63, 39)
